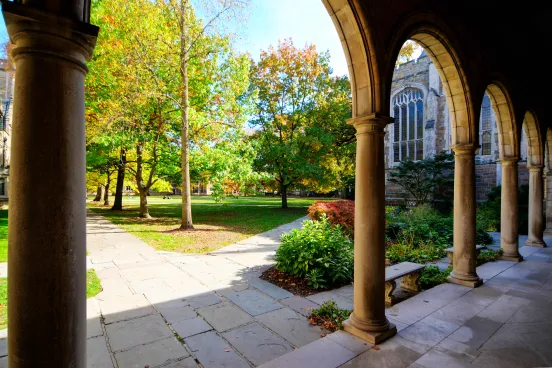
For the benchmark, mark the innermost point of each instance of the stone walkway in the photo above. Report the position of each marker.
(162, 309)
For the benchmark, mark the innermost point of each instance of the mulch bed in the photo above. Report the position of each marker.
(293, 284)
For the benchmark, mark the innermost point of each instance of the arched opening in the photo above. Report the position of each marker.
(433, 115)
(356, 47)
(534, 155)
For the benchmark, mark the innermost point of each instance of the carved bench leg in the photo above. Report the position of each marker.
(389, 297)
(450, 255)
(410, 282)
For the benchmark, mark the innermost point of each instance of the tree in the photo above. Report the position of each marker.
(423, 179)
(129, 102)
(406, 52)
(195, 41)
(292, 120)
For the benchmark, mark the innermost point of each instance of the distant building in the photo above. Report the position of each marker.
(6, 93)
(422, 128)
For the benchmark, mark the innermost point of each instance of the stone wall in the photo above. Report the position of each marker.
(485, 179)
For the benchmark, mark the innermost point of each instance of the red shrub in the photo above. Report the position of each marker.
(338, 213)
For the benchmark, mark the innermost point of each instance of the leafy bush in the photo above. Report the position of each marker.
(488, 255)
(330, 316)
(318, 251)
(408, 252)
(488, 216)
(488, 213)
(433, 276)
(338, 213)
(423, 225)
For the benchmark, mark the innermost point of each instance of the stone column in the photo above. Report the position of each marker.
(368, 320)
(509, 234)
(464, 260)
(47, 217)
(536, 227)
(548, 207)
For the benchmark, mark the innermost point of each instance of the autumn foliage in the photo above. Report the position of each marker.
(338, 213)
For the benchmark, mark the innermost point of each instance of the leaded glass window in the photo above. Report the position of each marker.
(485, 123)
(408, 132)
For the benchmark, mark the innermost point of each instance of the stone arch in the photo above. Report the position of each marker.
(548, 153)
(508, 137)
(356, 40)
(453, 77)
(535, 152)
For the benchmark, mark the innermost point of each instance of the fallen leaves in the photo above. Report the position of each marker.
(375, 347)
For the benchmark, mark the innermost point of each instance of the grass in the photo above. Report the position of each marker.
(216, 224)
(93, 287)
(3, 235)
(3, 303)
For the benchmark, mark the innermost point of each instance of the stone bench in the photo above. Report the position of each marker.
(450, 252)
(410, 273)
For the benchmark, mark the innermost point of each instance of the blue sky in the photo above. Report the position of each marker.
(305, 21)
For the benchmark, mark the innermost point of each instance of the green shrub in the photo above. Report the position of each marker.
(488, 255)
(488, 216)
(421, 253)
(424, 225)
(330, 316)
(433, 276)
(318, 251)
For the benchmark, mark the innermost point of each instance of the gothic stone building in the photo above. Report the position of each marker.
(422, 128)
(6, 95)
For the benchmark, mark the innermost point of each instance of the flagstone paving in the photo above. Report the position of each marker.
(162, 309)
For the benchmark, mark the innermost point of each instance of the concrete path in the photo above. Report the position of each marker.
(162, 309)
(505, 323)
(175, 310)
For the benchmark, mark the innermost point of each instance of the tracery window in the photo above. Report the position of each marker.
(485, 122)
(408, 132)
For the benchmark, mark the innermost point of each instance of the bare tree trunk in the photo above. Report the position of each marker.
(99, 192)
(283, 192)
(142, 189)
(186, 189)
(106, 194)
(118, 204)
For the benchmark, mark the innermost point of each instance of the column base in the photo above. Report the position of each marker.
(469, 283)
(536, 243)
(512, 258)
(370, 336)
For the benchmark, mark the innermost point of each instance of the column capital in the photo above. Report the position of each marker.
(370, 124)
(33, 30)
(509, 161)
(464, 149)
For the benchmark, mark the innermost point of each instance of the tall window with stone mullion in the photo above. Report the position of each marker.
(408, 132)
(485, 122)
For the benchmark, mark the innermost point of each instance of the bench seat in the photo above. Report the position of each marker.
(410, 273)
(450, 252)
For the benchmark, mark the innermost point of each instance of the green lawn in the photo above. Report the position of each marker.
(3, 303)
(3, 235)
(93, 287)
(217, 224)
